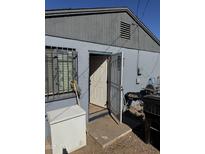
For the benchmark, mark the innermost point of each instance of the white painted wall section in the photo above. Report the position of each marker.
(148, 64)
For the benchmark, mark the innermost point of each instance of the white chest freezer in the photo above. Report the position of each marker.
(68, 129)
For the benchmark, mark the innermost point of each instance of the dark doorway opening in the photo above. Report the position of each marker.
(98, 86)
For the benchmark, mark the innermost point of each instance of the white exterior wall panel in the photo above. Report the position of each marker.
(146, 62)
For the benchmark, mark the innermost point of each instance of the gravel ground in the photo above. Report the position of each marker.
(128, 144)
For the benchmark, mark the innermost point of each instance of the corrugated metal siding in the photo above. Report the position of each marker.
(100, 28)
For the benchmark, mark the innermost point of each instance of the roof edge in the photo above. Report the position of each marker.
(82, 11)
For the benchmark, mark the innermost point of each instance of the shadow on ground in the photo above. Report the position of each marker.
(137, 125)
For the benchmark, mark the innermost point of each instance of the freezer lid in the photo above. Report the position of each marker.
(65, 113)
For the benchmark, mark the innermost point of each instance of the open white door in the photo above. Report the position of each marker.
(98, 81)
(115, 86)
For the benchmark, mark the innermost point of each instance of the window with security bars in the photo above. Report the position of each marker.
(61, 68)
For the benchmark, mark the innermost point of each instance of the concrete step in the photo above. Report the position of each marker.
(97, 115)
(106, 131)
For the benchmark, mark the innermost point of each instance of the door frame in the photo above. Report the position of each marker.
(93, 52)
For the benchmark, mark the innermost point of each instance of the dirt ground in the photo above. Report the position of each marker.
(128, 144)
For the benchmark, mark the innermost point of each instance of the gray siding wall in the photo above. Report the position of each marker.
(100, 28)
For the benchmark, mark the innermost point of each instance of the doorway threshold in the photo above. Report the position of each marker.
(98, 114)
(106, 131)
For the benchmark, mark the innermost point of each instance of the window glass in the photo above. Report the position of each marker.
(59, 72)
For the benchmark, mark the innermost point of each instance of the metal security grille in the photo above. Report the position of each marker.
(61, 68)
(125, 30)
(115, 86)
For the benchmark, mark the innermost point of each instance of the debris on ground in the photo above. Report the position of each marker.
(136, 108)
(129, 144)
